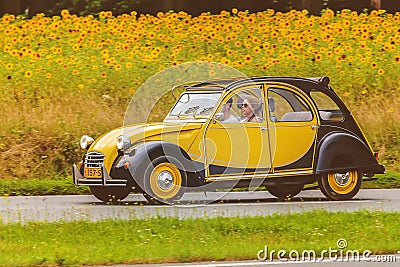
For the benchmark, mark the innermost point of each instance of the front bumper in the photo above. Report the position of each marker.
(106, 180)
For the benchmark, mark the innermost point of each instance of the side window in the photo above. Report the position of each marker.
(327, 108)
(245, 105)
(285, 105)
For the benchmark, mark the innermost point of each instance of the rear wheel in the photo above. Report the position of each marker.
(340, 186)
(111, 194)
(285, 192)
(164, 181)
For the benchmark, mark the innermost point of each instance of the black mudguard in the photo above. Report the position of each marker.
(141, 155)
(341, 151)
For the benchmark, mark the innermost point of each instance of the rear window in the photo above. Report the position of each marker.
(327, 108)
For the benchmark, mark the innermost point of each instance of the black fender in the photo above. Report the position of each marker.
(340, 151)
(138, 157)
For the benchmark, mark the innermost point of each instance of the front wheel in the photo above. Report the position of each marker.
(340, 186)
(111, 194)
(164, 182)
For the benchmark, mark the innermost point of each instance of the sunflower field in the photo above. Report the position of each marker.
(66, 75)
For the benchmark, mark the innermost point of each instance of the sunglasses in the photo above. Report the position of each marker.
(245, 105)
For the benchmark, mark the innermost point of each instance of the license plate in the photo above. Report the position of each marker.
(93, 173)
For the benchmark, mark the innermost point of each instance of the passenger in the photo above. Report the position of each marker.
(250, 109)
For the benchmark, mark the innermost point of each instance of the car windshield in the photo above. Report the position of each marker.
(194, 106)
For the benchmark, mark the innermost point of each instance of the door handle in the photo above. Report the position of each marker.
(314, 127)
(263, 128)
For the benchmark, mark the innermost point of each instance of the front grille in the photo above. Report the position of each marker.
(94, 160)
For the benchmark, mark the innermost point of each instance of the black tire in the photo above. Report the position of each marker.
(164, 181)
(340, 186)
(111, 194)
(285, 192)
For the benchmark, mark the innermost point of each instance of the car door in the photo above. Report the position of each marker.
(293, 126)
(237, 147)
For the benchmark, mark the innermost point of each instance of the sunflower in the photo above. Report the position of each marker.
(28, 74)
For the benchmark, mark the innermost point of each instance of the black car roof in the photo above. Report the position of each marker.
(228, 84)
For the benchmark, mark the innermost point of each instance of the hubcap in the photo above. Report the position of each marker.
(165, 180)
(342, 179)
(343, 183)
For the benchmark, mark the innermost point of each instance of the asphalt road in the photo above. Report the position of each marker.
(214, 204)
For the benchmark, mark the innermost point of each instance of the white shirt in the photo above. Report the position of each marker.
(231, 119)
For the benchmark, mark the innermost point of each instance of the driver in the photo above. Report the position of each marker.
(226, 110)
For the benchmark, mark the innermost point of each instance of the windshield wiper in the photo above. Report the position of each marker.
(190, 110)
(206, 110)
(203, 113)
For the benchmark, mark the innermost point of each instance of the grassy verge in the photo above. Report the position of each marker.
(65, 187)
(40, 187)
(172, 240)
(387, 180)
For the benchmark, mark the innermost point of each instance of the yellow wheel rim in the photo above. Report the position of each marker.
(165, 180)
(343, 183)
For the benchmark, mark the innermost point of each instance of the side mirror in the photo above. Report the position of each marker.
(219, 116)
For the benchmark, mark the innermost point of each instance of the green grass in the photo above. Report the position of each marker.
(387, 180)
(37, 187)
(173, 240)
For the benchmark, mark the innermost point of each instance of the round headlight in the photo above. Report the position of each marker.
(86, 141)
(123, 142)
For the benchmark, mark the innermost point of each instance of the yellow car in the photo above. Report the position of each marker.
(277, 132)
